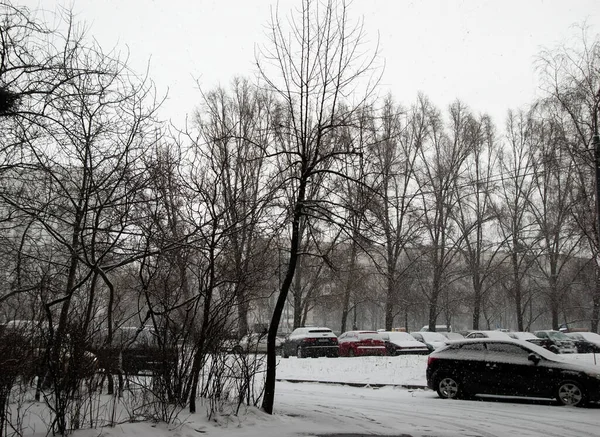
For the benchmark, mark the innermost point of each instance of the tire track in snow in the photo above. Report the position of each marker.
(493, 419)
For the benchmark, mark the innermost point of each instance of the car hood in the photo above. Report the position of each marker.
(408, 343)
(570, 364)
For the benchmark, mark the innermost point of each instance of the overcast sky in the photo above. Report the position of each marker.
(480, 51)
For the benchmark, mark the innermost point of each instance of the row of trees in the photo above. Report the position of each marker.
(305, 189)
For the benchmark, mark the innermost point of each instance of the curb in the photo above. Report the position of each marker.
(355, 384)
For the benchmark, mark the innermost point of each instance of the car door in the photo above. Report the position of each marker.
(343, 344)
(509, 371)
(292, 341)
(470, 361)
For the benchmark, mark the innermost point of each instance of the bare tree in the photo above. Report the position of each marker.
(474, 214)
(515, 223)
(75, 175)
(398, 137)
(313, 67)
(571, 79)
(552, 204)
(444, 159)
(236, 127)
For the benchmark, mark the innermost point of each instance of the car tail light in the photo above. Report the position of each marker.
(430, 360)
(309, 340)
(334, 340)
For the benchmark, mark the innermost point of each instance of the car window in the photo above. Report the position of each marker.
(507, 351)
(369, 336)
(472, 347)
(434, 336)
(542, 335)
(556, 335)
(401, 336)
(319, 331)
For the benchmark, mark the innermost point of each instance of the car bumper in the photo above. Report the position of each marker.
(366, 350)
(422, 351)
(320, 351)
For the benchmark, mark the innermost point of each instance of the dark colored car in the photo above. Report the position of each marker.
(255, 343)
(310, 342)
(466, 368)
(554, 341)
(360, 343)
(135, 351)
(402, 343)
(584, 343)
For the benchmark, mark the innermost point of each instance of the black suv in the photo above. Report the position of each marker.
(554, 341)
(510, 368)
(310, 342)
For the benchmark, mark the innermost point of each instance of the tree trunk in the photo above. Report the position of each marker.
(269, 396)
(596, 303)
(349, 285)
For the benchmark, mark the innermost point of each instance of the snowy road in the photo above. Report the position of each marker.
(394, 412)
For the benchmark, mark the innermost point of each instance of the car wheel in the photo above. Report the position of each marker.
(284, 353)
(448, 388)
(351, 352)
(554, 349)
(299, 352)
(571, 393)
(237, 350)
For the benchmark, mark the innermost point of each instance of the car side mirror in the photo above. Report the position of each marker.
(535, 358)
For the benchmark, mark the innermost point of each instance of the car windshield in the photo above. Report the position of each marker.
(369, 336)
(556, 335)
(319, 331)
(591, 336)
(544, 353)
(400, 336)
(433, 336)
(524, 335)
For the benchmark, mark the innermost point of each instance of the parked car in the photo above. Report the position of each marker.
(509, 368)
(452, 335)
(255, 343)
(554, 341)
(310, 342)
(135, 350)
(360, 343)
(402, 343)
(438, 328)
(433, 340)
(585, 342)
(522, 335)
(488, 334)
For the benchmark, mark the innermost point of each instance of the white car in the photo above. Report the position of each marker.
(402, 343)
(522, 335)
(499, 335)
(592, 337)
(586, 342)
(433, 340)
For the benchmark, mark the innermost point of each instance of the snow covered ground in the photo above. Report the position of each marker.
(316, 409)
(402, 370)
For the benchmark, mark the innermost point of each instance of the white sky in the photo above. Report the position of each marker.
(481, 51)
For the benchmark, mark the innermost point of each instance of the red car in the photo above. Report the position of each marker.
(359, 343)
